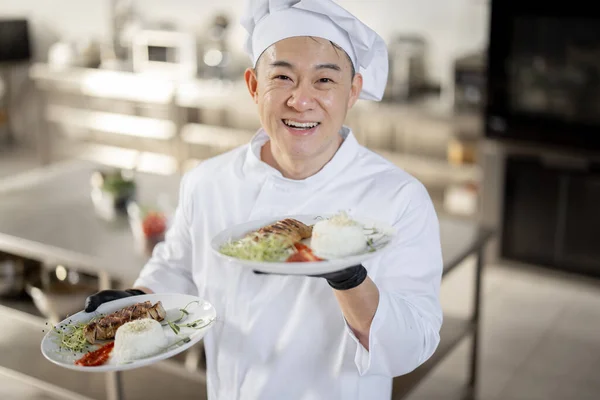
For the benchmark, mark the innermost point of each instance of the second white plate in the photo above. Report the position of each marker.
(198, 309)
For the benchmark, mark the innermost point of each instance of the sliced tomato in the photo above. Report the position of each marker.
(296, 257)
(302, 247)
(303, 254)
(311, 257)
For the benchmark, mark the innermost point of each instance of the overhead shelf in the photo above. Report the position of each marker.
(129, 125)
(117, 85)
(118, 157)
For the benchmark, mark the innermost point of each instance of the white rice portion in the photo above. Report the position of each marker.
(338, 237)
(138, 339)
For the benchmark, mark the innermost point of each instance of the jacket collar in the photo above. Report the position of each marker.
(254, 166)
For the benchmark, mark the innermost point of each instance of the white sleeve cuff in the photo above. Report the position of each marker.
(362, 357)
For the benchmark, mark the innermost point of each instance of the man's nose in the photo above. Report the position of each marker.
(302, 98)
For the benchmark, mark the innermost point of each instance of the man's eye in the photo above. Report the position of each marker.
(282, 77)
(325, 80)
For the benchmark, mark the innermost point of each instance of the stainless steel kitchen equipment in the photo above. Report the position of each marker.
(544, 74)
(165, 54)
(215, 53)
(407, 73)
(541, 158)
(15, 47)
(469, 83)
(61, 292)
(15, 43)
(5, 133)
(125, 23)
(12, 277)
(15, 274)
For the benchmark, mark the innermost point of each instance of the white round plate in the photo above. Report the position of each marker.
(381, 239)
(199, 309)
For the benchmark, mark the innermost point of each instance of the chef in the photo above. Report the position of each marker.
(339, 336)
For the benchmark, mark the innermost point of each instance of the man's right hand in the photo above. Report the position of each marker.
(94, 301)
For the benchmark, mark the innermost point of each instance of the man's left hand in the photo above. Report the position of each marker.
(345, 279)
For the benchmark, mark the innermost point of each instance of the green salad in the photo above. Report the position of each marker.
(269, 248)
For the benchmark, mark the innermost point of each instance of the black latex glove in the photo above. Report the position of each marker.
(345, 279)
(94, 301)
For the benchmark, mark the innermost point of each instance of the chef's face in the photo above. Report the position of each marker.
(303, 87)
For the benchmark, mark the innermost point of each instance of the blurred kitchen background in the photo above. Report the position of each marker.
(493, 105)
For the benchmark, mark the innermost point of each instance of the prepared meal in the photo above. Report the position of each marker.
(290, 240)
(131, 333)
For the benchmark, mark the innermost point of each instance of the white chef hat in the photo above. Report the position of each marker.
(269, 21)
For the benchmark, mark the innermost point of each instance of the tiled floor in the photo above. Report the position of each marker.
(540, 336)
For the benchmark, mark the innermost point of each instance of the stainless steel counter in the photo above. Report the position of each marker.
(48, 215)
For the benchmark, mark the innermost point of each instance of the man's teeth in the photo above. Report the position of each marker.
(302, 125)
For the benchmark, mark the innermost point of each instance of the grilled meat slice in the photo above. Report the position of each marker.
(291, 229)
(106, 327)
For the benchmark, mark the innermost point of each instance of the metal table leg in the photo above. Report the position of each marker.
(5, 78)
(114, 386)
(42, 130)
(475, 319)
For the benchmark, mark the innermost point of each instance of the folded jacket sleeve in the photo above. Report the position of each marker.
(170, 267)
(405, 330)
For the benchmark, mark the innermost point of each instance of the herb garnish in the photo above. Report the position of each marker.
(197, 324)
(71, 336)
(370, 240)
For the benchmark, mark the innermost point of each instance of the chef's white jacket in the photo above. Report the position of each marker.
(284, 337)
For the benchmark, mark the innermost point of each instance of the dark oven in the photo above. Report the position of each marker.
(544, 73)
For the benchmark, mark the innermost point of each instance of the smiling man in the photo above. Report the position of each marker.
(343, 335)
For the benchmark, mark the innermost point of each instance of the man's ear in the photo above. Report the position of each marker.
(355, 89)
(252, 83)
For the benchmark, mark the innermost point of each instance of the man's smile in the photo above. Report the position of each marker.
(302, 128)
(300, 124)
